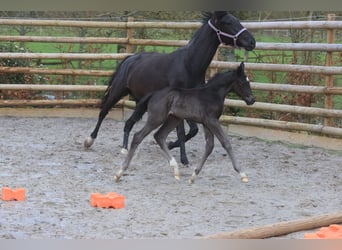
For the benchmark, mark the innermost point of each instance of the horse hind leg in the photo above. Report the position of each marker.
(160, 137)
(127, 129)
(90, 140)
(134, 118)
(110, 99)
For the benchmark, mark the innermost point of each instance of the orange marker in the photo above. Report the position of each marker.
(109, 200)
(15, 194)
(332, 232)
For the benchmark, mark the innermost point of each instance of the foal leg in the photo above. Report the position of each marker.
(209, 145)
(137, 139)
(216, 128)
(160, 137)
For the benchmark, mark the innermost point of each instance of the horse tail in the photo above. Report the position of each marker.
(141, 107)
(106, 93)
(118, 73)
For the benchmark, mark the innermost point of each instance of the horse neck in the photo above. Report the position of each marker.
(201, 50)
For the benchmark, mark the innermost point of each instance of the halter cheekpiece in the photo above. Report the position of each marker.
(220, 33)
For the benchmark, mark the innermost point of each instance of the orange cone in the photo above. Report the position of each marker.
(332, 232)
(16, 194)
(109, 200)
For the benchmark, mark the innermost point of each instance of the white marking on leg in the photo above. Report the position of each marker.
(174, 164)
(192, 178)
(88, 142)
(118, 175)
(244, 177)
(124, 151)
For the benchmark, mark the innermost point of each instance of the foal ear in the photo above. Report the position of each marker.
(241, 69)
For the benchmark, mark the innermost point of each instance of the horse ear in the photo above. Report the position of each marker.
(219, 14)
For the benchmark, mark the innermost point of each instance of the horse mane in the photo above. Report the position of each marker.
(206, 15)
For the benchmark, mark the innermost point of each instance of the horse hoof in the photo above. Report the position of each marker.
(116, 178)
(124, 151)
(192, 178)
(88, 142)
(244, 179)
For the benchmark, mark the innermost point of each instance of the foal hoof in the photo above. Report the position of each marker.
(244, 177)
(88, 142)
(124, 151)
(192, 178)
(116, 178)
(118, 175)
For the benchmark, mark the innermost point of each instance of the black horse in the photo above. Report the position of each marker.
(169, 106)
(143, 73)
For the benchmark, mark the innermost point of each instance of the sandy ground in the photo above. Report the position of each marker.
(47, 158)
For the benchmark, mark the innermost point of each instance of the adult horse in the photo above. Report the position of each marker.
(204, 104)
(142, 73)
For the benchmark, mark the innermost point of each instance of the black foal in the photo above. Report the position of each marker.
(169, 106)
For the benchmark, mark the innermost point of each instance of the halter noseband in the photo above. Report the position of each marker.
(220, 33)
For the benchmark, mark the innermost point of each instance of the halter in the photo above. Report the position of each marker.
(219, 33)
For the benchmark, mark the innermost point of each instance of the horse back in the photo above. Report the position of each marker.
(147, 72)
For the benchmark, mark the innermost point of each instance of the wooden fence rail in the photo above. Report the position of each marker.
(329, 70)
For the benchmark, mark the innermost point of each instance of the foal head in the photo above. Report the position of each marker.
(242, 87)
(230, 31)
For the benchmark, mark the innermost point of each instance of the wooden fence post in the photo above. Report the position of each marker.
(129, 36)
(329, 81)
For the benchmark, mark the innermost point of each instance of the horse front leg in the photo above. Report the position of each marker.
(181, 138)
(193, 130)
(209, 145)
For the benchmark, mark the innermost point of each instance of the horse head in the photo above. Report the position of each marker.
(230, 31)
(242, 86)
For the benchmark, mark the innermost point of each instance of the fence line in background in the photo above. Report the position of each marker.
(329, 70)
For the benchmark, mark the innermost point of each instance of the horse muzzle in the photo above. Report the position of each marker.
(250, 100)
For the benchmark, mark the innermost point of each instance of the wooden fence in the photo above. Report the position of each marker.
(329, 70)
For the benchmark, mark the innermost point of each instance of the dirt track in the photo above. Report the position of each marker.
(47, 158)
